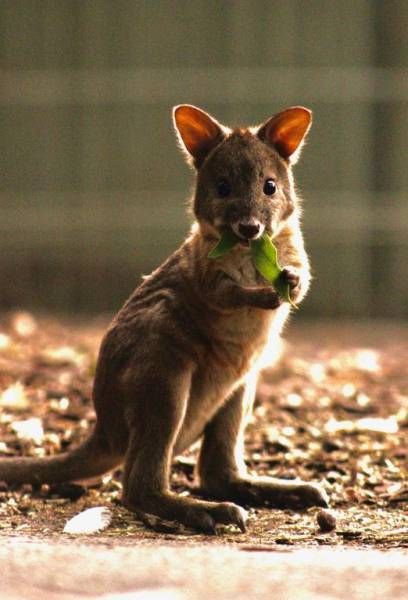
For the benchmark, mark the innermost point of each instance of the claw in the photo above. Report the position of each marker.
(207, 525)
(323, 500)
(242, 519)
(242, 526)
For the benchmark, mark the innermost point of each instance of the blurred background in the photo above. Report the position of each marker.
(93, 189)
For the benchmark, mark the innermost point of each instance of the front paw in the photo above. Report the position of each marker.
(290, 277)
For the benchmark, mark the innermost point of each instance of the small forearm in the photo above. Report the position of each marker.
(227, 294)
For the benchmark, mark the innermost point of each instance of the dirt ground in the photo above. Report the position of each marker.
(334, 410)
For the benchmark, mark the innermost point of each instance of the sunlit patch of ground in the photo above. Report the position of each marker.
(334, 410)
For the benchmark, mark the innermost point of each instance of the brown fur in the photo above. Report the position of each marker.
(181, 358)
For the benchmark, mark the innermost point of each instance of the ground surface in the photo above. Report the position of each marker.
(335, 410)
(57, 571)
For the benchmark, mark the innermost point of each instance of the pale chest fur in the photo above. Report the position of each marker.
(243, 335)
(245, 340)
(238, 265)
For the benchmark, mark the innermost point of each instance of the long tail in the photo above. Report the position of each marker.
(92, 458)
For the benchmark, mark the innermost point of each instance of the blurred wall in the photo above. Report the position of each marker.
(93, 189)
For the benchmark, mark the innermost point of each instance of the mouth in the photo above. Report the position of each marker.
(248, 230)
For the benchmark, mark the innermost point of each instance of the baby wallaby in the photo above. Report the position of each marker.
(181, 358)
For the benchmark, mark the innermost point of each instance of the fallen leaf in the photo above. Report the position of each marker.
(14, 397)
(24, 324)
(389, 425)
(4, 341)
(62, 356)
(333, 426)
(30, 430)
(369, 424)
(88, 521)
(367, 360)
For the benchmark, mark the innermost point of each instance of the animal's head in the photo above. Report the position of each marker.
(244, 179)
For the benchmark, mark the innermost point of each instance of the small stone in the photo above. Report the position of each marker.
(326, 521)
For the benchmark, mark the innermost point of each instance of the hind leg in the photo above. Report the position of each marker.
(223, 472)
(158, 405)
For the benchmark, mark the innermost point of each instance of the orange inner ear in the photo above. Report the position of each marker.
(197, 130)
(286, 130)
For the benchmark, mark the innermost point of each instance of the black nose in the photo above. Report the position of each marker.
(248, 231)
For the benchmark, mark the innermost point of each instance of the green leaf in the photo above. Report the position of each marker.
(265, 258)
(227, 242)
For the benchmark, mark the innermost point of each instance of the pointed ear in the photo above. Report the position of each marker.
(286, 131)
(197, 131)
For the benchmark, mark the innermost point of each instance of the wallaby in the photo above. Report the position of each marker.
(181, 358)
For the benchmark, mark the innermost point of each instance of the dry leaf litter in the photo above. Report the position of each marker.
(333, 410)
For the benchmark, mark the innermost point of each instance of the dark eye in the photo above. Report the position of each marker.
(223, 188)
(269, 187)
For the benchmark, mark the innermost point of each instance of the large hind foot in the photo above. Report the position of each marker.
(198, 515)
(277, 493)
